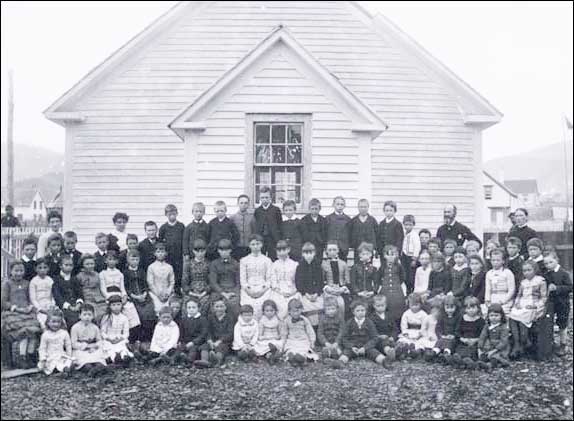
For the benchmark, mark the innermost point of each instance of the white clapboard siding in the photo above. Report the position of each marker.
(424, 160)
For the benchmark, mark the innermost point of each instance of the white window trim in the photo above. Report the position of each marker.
(306, 120)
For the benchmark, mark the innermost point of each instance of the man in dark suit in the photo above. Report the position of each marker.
(268, 223)
(454, 230)
(9, 220)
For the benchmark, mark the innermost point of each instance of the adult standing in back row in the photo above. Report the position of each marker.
(521, 230)
(268, 221)
(454, 230)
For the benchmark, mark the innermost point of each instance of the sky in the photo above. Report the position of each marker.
(519, 55)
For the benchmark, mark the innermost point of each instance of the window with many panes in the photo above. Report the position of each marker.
(278, 160)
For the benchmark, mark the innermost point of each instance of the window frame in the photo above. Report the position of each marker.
(306, 153)
(490, 189)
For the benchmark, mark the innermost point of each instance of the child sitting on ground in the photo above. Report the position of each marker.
(494, 341)
(330, 328)
(269, 343)
(469, 328)
(19, 323)
(87, 346)
(195, 281)
(359, 337)
(219, 336)
(386, 328)
(193, 328)
(160, 279)
(245, 334)
(429, 337)
(529, 306)
(115, 328)
(447, 329)
(165, 338)
(55, 352)
(298, 336)
(409, 342)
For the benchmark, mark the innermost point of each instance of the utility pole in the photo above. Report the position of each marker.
(566, 127)
(10, 139)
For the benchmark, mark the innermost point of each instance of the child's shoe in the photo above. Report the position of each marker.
(214, 359)
(457, 361)
(447, 358)
(200, 364)
(391, 355)
(429, 356)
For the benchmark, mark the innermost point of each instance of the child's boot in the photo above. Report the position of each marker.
(447, 358)
(429, 356)
(457, 361)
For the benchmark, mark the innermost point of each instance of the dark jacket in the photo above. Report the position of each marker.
(193, 231)
(390, 233)
(461, 282)
(147, 252)
(338, 230)
(525, 233)
(440, 282)
(66, 291)
(219, 230)
(268, 223)
(353, 336)
(364, 277)
(477, 286)
(224, 276)
(330, 329)
(309, 277)
(220, 330)
(29, 269)
(194, 330)
(384, 327)
(363, 232)
(314, 232)
(76, 258)
(100, 260)
(291, 231)
(457, 232)
(563, 284)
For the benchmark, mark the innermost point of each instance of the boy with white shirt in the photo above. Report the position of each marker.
(165, 338)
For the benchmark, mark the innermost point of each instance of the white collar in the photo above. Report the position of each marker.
(26, 259)
(513, 257)
(65, 277)
(293, 218)
(339, 213)
(363, 217)
(222, 219)
(522, 226)
(382, 316)
(557, 268)
(539, 258)
(452, 223)
(459, 268)
(197, 316)
(388, 220)
(134, 269)
(360, 323)
(195, 221)
(268, 206)
(101, 253)
(171, 224)
(314, 218)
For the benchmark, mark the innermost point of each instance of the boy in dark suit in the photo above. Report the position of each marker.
(268, 223)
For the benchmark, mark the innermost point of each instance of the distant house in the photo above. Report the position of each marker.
(499, 200)
(315, 99)
(527, 191)
(29, 206)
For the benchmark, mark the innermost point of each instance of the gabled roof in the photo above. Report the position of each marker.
(499, 184)
(523, 186)
(475, 108)
(366, 120)
(23, 198)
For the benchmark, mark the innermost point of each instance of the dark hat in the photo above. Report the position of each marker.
(115, 298)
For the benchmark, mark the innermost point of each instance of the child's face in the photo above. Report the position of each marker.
(449, 249)
(198, 213)
(111, 262)
(389, 211)
(67, 266)
(17, 272)
(494, 318)
(89, 265)
(391, 256)
(339, 205)
(314, 210)
(133, 261)
(520, 218)
(528, 271)
(224, 254)
(199, 253)
(475, 266)
(116, 308)
(132, 244)
(29, 251)
(255, 246)
(437, 265)
(424, 260)
(472, 310)
(380, 306)
(175, 307)
(247, 317)
(550, 262)
(449, 309)
(102, 243)
(332, 251)
(86, 316)
(309, 255)
(219, 308)
(269, 312)
(42, 269)
(265, 198)
(408, 226)
(220, 211)
(295, 312)
(331, 310)
(283, 253)
(55, 247)
(497, 261)
(288, 211)
(459, 259)
(192, 308)
(70, 244)
(243, 204)
(512, 250)
(160, 254)
(54, 323)
(363, 208)
(472, 251)
(151, 231)
(425, 238)
(489, 247)
(165, 318)
(534, 252)
(359, 312)
(171, 216)
(433, 248)
(415, 307)
(55, 224)
(365, 256)
(120, 224)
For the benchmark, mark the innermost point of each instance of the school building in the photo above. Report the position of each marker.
(315, 99)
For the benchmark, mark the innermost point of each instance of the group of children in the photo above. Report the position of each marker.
(269, 285)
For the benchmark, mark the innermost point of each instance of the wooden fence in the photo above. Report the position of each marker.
(12, 240)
